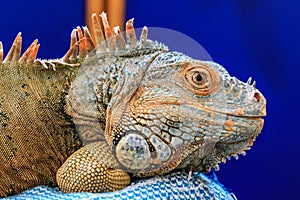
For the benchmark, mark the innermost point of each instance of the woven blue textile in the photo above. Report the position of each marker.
(173, 186)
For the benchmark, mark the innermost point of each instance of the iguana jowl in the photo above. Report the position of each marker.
(139, 109)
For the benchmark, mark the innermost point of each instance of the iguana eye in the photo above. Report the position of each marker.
(200, 79)
(197, 78)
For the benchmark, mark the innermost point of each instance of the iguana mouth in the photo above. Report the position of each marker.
(262, 112)
(259, 117)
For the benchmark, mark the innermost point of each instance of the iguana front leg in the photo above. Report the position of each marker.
(92, 168)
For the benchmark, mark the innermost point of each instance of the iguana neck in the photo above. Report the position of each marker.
(100, 80)
(90, 93)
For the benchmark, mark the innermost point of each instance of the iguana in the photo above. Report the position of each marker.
(111, 110)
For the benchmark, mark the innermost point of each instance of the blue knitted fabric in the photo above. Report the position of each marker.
(173, 186)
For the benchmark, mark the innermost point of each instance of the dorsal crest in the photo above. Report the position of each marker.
(108, 41)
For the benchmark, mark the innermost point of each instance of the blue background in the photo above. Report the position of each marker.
(250, 38)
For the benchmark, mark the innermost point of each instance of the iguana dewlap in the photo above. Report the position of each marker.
(138, 109)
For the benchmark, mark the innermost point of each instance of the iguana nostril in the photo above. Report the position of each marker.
(257, 96)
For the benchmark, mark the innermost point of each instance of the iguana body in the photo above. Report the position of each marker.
(139, 110)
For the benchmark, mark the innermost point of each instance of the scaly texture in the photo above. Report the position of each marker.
(163, 110)
(87, 174)
(139, 110)
(36, 134)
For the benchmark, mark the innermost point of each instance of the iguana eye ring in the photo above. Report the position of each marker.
(200, 79)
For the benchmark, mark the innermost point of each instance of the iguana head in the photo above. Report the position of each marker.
(165, 110)
(185, 113)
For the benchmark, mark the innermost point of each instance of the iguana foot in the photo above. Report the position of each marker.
(91, 169)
